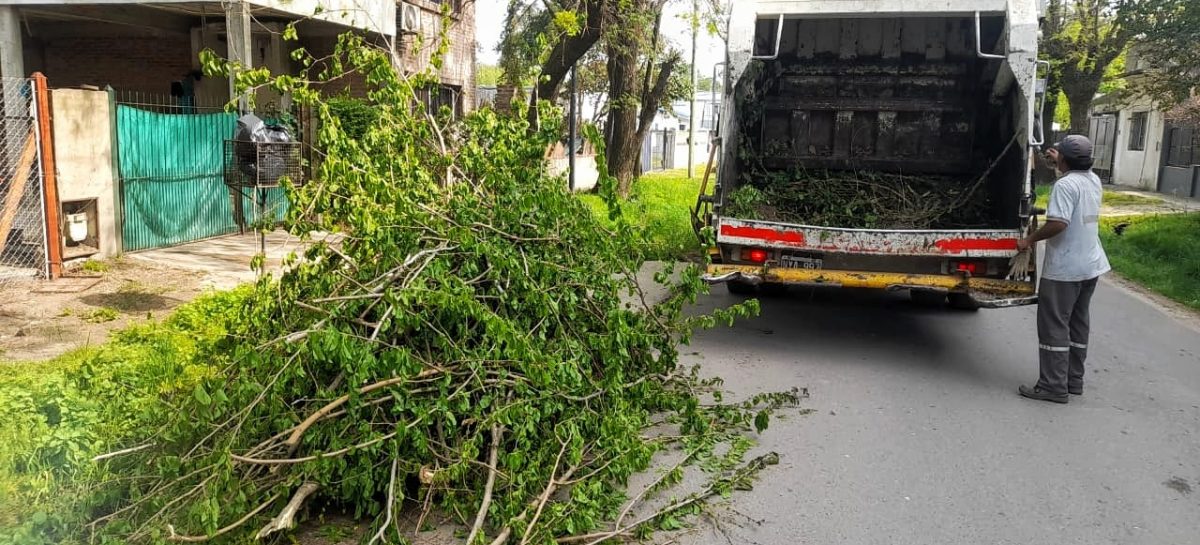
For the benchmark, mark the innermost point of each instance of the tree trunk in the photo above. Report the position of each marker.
(623, 146)
(654, 96)
(1080, 90)
(565, 54)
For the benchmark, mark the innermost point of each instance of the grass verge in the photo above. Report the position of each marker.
(1111, 198)
(660, 204)
(60, 413)
(1160, 252)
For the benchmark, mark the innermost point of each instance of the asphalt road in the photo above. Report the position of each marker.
(919, 436)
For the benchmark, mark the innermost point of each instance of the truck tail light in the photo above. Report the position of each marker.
(754, 255)
(973, 268)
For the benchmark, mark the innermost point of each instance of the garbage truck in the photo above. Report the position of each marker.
(883, 144)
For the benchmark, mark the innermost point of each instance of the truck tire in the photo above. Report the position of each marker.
(773, 290)
(742, 288)
(927, 298)
(962, 301)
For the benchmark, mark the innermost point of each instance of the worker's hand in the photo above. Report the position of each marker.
(1023, 244)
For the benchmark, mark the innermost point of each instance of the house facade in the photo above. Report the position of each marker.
(124, 141)
(1138, 144)
(152, 48)
(1129, 140)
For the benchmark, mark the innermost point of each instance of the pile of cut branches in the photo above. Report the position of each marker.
(861, 200)
(464, 349)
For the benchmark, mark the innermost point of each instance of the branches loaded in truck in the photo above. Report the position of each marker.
(881, 148)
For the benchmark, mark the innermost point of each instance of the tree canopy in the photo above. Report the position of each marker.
(1087, 40)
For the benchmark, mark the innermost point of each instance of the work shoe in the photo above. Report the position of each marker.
(1075, 390)
(1042, 395)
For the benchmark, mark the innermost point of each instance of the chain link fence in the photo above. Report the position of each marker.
(22, 216)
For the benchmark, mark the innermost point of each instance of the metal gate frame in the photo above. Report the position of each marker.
(170, 160)
(1179, 169)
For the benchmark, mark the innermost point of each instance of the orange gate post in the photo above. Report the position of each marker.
(49, 180)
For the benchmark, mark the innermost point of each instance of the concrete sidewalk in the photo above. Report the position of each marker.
(224, 261)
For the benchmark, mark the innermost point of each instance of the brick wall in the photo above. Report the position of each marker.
(141, 64)
(458, 67)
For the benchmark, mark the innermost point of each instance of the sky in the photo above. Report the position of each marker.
(489, 22)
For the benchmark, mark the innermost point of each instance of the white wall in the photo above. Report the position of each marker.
(377, 16)
(586, 174)
(700, 150)
(1138, 168)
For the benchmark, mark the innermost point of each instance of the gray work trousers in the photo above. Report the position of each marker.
(1063, 323)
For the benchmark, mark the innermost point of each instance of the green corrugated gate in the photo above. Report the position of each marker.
(171, 178)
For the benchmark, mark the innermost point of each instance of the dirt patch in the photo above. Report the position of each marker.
(40, 320)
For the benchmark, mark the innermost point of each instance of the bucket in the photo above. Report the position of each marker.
(77, 227)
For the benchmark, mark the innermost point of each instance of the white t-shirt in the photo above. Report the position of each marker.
(1075, 254)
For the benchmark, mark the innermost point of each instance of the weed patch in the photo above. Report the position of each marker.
(100, 315)
(660, 208)
(95, 266)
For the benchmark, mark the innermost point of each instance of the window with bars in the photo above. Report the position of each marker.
(1137, 131)
(454, 5)
(435, 97)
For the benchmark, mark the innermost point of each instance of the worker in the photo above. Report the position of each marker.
(1074, 262)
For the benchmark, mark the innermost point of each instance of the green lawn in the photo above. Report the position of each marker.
(1111, 198)
(661, 204)
(1161, 252)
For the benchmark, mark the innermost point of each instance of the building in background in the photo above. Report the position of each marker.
(1139, 144)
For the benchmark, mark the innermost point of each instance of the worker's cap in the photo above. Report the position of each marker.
(1075, 146)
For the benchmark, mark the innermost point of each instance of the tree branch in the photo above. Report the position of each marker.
(487, 489)
(286, 519)
(200, 539)
(293, 441)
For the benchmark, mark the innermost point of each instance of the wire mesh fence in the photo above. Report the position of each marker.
(22, 215)
(170, 104)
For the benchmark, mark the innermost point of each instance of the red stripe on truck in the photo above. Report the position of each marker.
(882, 244)
(791, 238)
(960, 245)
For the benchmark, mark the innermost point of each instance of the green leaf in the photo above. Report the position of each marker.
(761, 420)
(201, 395)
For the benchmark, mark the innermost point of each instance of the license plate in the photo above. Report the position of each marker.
(800, 262)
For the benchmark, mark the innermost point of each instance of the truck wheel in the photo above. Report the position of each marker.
(927, 298)
(962, 301)
(742, 288)
(773, 290)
